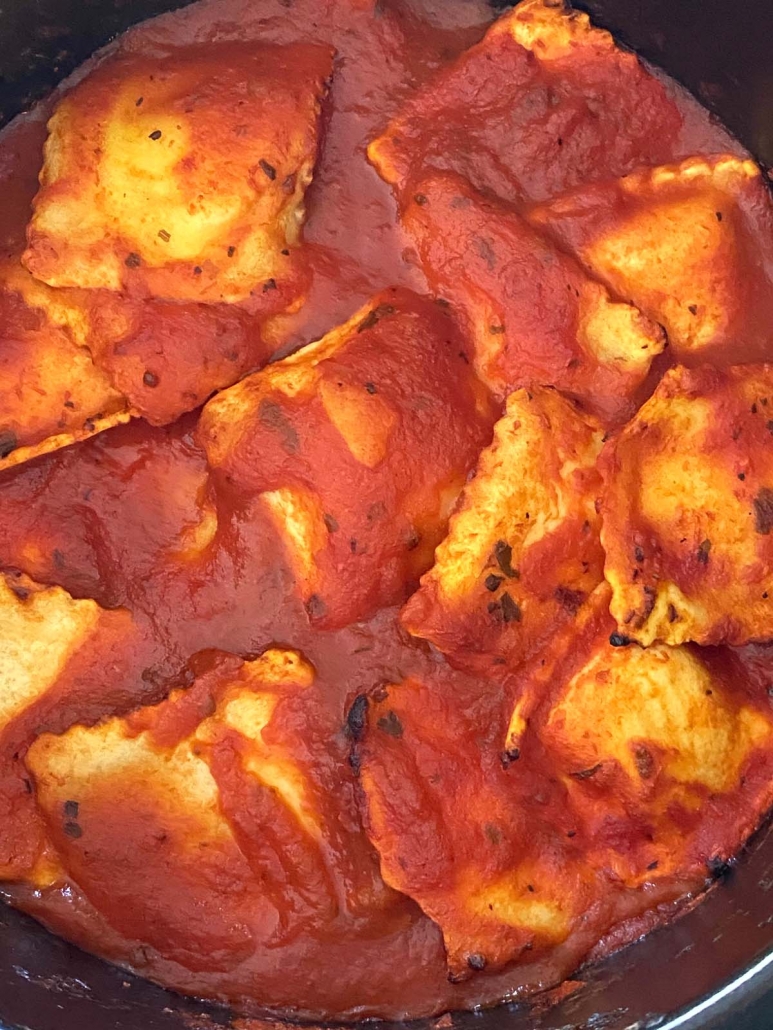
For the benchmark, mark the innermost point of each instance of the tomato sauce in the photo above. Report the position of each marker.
(118, 519)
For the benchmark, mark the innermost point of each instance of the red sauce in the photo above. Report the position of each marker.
(105, 517)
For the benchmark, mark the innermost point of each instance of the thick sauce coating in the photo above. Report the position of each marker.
(223, 690)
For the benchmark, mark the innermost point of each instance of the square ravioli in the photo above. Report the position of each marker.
(665, 752)
(60, 659)
(74, 362)
(484, 854)
(522, 551)
(204, 827)
(543, 103)
(688, 510)
(53, 391)
(689, 244)
(192, 185)
(358, 445)
(625, 777)
(533, 313)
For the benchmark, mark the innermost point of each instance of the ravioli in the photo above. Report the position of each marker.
(522, 551)
(689, 244)
(688, 510)
(665, 757)
(543, 103)
(55, 653)
(358, 446)
(625, 775)
(192, 185)
(76, 362)
(196, 826)
(455, 831)
(53, 392)
(532, 312)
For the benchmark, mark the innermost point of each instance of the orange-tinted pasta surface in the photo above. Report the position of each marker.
(384, 568)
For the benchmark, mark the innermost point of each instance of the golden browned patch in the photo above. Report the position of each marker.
(686, 243)
(688, 510)
(138, 204)
(522, 551)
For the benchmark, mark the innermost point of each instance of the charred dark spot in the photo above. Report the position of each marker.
(645, 763)
(703, 552)
(420, 199)
(19, 591)
(476, 961)
(570, 600)
(8, 442)
(353, 545)
(370, 387)
(133, 260)
(357, 717)
(742, 476)
(673, 614)
(485, 249)
(503, 555)
(496, 330)
(73, 829)
(164, 235)
(268, 170)
(571, 833)
(493, 581)
(231, 251)
(652, 866)
(585, 774)
(719, 868)
(693, 309)
(619, 640)
(285, 252)
(288, 184)
(638, 553)
(271, 415)
(763, 511)
(509, 756)
(719, 215)
(138, 101)
(150, 379)
(71, 809)
(374, 316)
(331, 522)
(769, 426)
(197, 269)
(493, 833)
(391, 725)
(413, 540)
(511, 611)
(315, 607)
(268, 285)
(155, 134)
